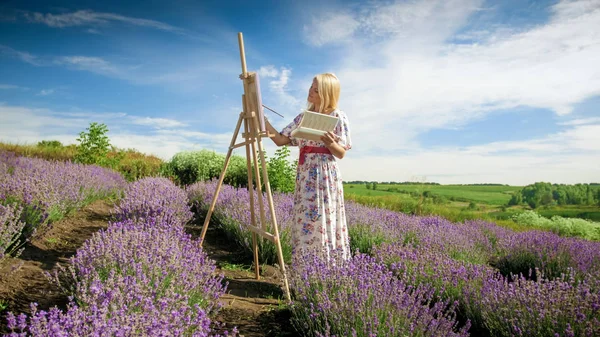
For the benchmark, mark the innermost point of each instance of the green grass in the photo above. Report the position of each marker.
(490, 195)
(234, 266)
(458, 203)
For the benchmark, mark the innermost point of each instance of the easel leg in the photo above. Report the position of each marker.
(221, 177)
(251, 195)
(259, 190)
(273, 217)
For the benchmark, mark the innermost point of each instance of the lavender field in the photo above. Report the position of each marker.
(144, 275)
(36, 192)
(426, 276)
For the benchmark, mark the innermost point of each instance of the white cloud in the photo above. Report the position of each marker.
(400, 76)
(8, 86)
(23, 56)
(569, 156)
(87, 63)
(182, 73)
(268, 71)
(278, 80)
(158, 123)
(93, 64)
(91, 18)
(46, 92)
(21, 125)
(460, 168)
(327, 28)
(581, 121)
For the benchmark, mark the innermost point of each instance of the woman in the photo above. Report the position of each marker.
(320, 216)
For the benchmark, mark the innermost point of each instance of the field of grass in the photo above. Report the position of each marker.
(491, 195)
(458, 202)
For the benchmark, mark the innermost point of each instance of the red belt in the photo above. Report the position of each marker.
(311, 149)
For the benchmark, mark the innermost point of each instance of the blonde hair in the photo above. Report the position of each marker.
(328, 86)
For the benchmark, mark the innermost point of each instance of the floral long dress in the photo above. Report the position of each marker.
(320, 215)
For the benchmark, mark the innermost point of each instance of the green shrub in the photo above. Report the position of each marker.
(50, 143)
(192, 166)
(364, 238)
(93, 145)
(562, 226)
(282, 173)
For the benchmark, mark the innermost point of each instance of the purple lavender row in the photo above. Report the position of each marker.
(494, 303)
(232, 213)
(154, 198)
(462, 261)
(135, 280)
(337, 299)
(140, 277)
(48, 190)
(474, 241)
(361, 297)
(59, 185)
(10, 230)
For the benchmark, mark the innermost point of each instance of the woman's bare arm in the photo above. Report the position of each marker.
(278, 138)
(330, 139)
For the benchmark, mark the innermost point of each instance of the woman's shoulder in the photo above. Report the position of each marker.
(340, 113)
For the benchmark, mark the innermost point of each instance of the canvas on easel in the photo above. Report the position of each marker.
(254, 130)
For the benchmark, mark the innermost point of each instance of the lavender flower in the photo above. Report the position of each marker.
(164, 262)
(10, 230)
(361, 297)
(468, 263)
(232, 213)
(48, 190)
(154, 198)
(559, 307)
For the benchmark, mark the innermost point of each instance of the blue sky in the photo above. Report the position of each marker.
(460, 91)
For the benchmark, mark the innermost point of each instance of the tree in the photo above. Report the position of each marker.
(282, 173)
(516, 199)
(589, 196)
(560, 195)
(374, 185)
(93, 145)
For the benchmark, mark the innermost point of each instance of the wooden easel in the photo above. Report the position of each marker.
(252, 141)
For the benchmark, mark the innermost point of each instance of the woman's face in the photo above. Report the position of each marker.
(313, 94)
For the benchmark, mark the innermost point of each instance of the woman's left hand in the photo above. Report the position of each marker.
(330, 138)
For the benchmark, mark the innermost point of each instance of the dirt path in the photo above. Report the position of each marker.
(255, 307)
(28, 283)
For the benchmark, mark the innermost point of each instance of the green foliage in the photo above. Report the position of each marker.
(93, 145)
(481, 194)
(515, 199)
(546, 194)
(282, 173)
(531, 264)
(363, 238)
(134, 165)
(559, 225)
(50, 143)
(192, 166)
